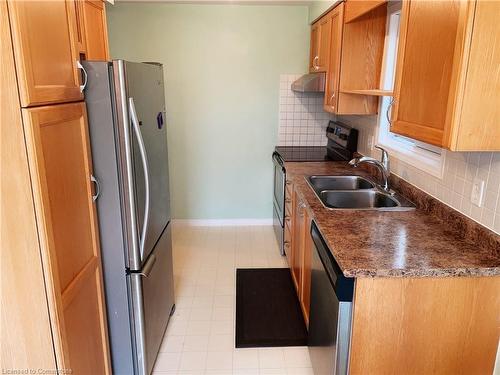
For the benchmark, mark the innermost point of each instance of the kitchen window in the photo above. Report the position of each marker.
(421, 155)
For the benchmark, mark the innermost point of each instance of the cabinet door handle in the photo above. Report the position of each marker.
(315, 60)
(288, 200)
(85, 76)
(387, 116)
(97, 187)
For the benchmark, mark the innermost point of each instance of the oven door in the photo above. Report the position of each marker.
(279, 231)
(279, 185)
(279, 199)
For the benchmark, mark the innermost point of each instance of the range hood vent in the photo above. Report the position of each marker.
(313, 82)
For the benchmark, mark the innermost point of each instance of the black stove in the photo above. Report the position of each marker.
(302, 153)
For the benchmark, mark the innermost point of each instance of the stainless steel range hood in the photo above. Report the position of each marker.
(313, 82)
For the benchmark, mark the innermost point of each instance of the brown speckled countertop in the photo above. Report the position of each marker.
(431, 241)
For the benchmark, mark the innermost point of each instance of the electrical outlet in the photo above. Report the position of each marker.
(477, 193)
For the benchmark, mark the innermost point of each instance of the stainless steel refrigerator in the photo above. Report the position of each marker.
(128, 135)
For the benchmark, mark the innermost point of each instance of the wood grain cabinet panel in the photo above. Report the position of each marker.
(45, 51)
(300, 259)
(96, 35)
(335, 48)
(358, 8)
(26, 341)
(60, 163)
(314, 47)
(478, 124)
(448, 87)
(424, 69)
(305, 299)
(361, 62)
(296, 242)
(432, 326)
(320, 42)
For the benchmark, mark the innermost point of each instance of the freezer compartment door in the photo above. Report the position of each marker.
(153, 300)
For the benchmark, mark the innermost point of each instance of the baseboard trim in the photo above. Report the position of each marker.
(222, 222)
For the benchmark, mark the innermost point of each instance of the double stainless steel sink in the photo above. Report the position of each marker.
(356, 193)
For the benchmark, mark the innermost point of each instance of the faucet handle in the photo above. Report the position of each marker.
(385, 157)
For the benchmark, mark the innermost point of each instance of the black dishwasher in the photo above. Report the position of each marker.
(330, 311)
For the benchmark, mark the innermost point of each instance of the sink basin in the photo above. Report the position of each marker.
(361, 199)
(356, 193)
(320, 183)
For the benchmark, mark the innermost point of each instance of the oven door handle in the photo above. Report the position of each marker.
(278, 160)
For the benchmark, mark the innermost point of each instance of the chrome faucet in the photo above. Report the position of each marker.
(382, 165)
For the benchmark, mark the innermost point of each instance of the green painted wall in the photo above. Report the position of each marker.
(317, 8)
(222, 66)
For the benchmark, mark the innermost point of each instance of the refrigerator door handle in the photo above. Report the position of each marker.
(144, 157)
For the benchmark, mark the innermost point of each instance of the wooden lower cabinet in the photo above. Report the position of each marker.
(300, 255)
(305, 295)
(429, 326)
(60, 165)
(26, 341)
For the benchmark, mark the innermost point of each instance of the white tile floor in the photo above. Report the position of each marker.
(200, 335)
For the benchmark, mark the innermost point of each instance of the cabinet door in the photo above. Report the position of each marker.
(314, 49)
(58, 149)
(478, 128)
(305, 299)
(298, 245)
(320, 44)
(26, 339)
(79, 29)
(45, 51)
(333, 71)
(96, 36)
(424, 69)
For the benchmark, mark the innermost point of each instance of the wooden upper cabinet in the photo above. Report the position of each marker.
(320, 42)
(358, 8)
(314, 47)
(362, 53)
(60, 164)
(425, 69)
(45, 51)
(477, 125)
(335, 47)
(448, 87)
(95, 30)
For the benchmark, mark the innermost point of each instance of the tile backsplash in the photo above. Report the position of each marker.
(455, 187)
(302, 121)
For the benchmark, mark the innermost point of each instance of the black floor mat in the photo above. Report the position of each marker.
(267, 309)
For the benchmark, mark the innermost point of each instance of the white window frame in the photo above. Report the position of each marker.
(423, 156)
